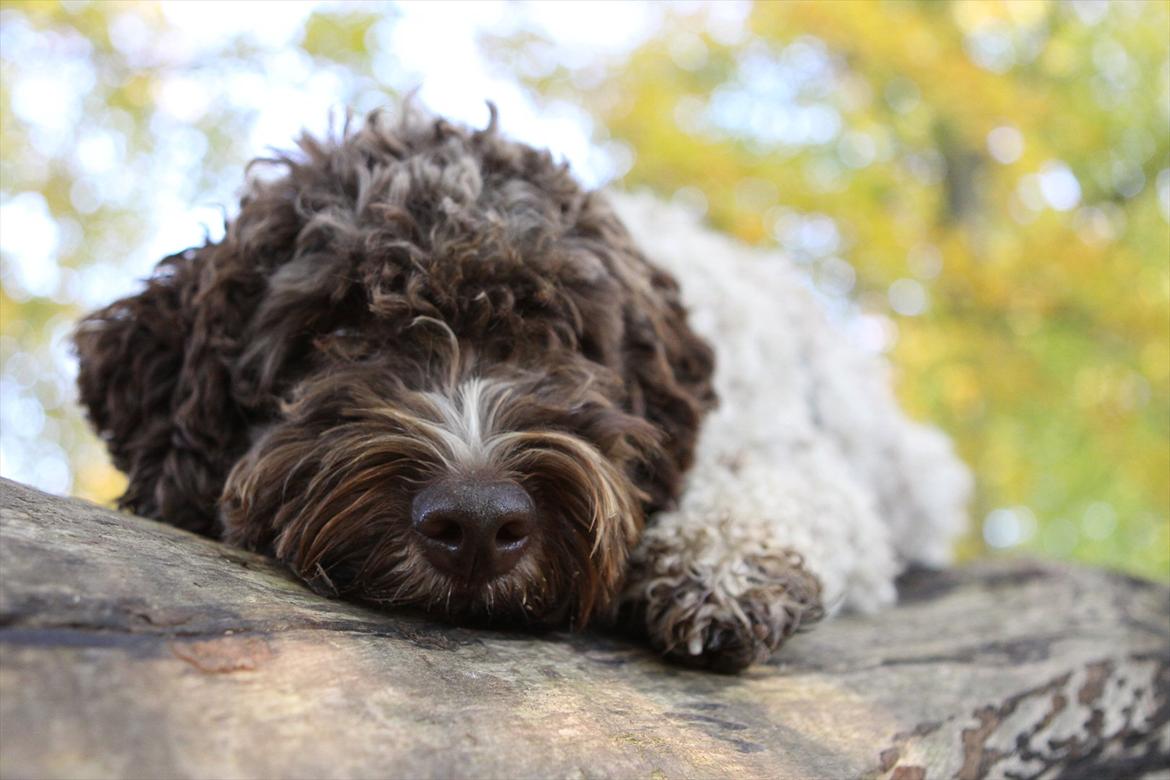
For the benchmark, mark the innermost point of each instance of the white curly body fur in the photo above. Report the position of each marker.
(807, 453)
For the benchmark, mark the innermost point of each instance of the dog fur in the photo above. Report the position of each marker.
(807, 458)
(412, 301)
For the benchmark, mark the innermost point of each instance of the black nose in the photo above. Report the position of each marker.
(474, 530)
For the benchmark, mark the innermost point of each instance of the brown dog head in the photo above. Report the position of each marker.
(423, 367)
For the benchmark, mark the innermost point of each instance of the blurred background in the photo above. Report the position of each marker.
(982, 189)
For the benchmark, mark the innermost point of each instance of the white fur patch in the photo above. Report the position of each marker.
(808, 449)
(467, 421)
(470, 423)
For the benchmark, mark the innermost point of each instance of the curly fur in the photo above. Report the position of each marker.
(808, 467)
(408, 300)
(412, 301)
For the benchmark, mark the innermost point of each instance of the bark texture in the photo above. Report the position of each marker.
(133, 649)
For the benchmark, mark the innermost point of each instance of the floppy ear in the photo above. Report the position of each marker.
(668, 370)
(666, 366)
(154, 377)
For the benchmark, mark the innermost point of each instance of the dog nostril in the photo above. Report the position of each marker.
(441, 528)
(513, 532)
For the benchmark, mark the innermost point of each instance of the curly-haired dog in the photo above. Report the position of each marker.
(425, 368)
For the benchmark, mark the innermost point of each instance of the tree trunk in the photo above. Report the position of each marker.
(132, 649)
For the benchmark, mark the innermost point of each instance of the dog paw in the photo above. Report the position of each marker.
(727, 618)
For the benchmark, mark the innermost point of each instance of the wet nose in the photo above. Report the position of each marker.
(474, 530)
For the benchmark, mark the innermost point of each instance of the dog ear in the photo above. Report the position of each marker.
(668, 370)
(666, 366)
(160, 372)
(155, 379)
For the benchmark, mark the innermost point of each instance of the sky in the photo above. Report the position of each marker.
(433, 50)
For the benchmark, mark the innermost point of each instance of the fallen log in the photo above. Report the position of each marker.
(132, 649)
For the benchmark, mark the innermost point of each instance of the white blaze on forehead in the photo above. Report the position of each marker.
(472, 430)
(469, 419)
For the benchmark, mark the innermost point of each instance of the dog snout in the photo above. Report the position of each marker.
(474, 530)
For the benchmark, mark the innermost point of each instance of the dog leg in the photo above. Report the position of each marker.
(754, 553)
(720, 606)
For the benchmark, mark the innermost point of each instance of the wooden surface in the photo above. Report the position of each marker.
(131, 649)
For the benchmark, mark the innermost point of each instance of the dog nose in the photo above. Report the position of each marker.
(474, 530)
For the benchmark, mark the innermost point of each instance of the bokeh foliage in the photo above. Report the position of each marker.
(997, 176)
(122, 137)
(987, 184)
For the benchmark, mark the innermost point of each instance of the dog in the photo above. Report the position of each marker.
(425, 368)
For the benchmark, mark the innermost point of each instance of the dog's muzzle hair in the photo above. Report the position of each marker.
(422, 368)
(505, 498)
